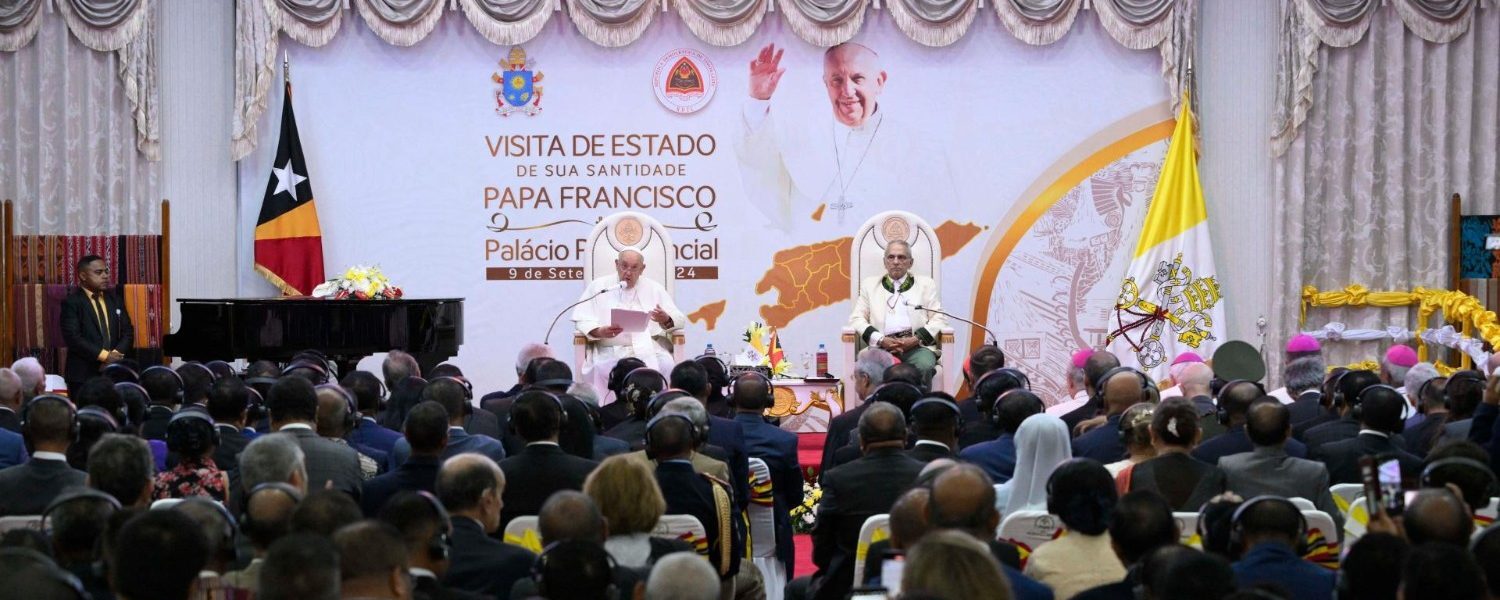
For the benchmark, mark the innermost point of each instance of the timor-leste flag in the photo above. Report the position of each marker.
(288, 242)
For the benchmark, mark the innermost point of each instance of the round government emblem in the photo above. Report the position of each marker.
(629, 231)
(684, 81)
(895, 229)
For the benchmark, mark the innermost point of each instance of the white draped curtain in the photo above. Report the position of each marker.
(78, 120)
(1166, 25)
(1402, 113)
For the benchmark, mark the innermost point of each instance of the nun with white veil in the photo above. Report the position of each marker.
(1042, 443)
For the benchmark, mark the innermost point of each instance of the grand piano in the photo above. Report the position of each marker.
(345, 330)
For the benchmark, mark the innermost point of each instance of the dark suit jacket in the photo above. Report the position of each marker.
(613, 414)
(1299, 430)
(9, 420)
(84, 336)
(1306, 407)
(1177, 477)
(632, 432)
(851, 494)
(778, 448)
(1422, 436)
(372, 434)
(232, 442)
(1208, 417)
(730, 436)
(27, 489)
(459, 442)
(1332, 431)
(997, 458)
(1343, 457)
(12, 449)
(840, 429)
(327, 461)
(977, 432)
(1102, 443)
(499, 402)
(417, 473)
(1089, 410)
(926, 453)
(605, 447)
(539, 471)
(427, 588)
(1236, 441)
(483, 422)
(1269, 471)
(483, 565)
(689, 493)
(1277, 565)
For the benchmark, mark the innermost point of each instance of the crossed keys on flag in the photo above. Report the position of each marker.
(1181, 301)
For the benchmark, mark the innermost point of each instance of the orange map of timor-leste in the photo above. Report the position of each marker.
(817, 275)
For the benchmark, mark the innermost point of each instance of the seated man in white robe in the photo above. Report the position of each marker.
(626, 289)
(885, 314)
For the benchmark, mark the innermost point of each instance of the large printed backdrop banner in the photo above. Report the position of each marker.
(1034, 165)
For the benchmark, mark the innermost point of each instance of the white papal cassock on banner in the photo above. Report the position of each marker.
(1169, 300)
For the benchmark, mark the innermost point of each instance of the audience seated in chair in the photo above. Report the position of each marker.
(451, 395)
(28, 488)
(158, 555)
(294, 410)
(191, 437)
(1379, 422)
(1438, 570)
(1234, 405)
(625, 492)
(778, 448)
(1270, 531)
(1122, 389)
(1008, 410)
(868, 374)
(1041, 446)
(541, 468)
(1346, 397)
(1140, 524)
(426, 433)
(1371, 569)
(1269, 470)
(228, 406)
(1081, 494)
(300, 566)
(983, 360)
(573, 516)
(1095, 365)
(121, 466)
(372, 561)
(427, 532)
(1186, 482)
(337, 417)
(934, 424)
(472, 487)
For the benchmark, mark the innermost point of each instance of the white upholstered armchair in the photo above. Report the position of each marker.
(617, 233)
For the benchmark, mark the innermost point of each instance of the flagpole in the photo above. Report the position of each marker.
(286, 67)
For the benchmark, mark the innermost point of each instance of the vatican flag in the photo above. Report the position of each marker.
(1169, 300)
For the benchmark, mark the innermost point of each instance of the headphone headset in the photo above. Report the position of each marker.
(1466, 375)
(128, 374)
(351, 414)
(650, 425)
(627, 387)
(74, 495)
(1125, 427)
(958, 415)
(464, 383)
(212, 376)
(723, 366)
(767, 400)
(72, 415)
(1455, 461)
(319, 368)
(94, 412)
(1220, 412)
(248, 524)
(439, 546)
(1237, 527)
(875, 394)
(562, 418)
(49, 568)
(186, 436)
(660, 399)
(180, 385)
(1021, 381)
(1359, 400)
(231, 527)
(263, 381)
(1422, 392)
(539, 568)
(1146, 384)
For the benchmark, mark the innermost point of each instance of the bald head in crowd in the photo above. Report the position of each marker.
(1121, 391)
(882, 426)
(1194, 380)
(333, 411)
(963, 497)
(571, 515)
(1438, 515)
(909, 518)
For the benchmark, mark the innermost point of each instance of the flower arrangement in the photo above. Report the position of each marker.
(360, 283)
(805, 515)
(765, 350)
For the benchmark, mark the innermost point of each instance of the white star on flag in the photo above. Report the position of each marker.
(287, 180)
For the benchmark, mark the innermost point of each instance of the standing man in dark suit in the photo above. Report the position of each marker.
(11, 397)
(854, 492)
(427, 434)
(541, 468)
(95, 325)
(778, 448)
(228, 401)
(28, 488)
(294, 410)
(471, 487)
(1379, 423)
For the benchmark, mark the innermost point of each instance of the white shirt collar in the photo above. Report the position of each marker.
(291, 426)
(50, 456)
(420, 572)
(543, 443)
(456, 427)
(932, 443)
(228, 425)
(1373, 432)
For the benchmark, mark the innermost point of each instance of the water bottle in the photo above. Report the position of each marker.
(709, 351)
(822, 360)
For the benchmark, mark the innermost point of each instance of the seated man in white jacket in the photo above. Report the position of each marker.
(886, 314)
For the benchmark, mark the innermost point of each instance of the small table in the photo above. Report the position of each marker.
(807, 405)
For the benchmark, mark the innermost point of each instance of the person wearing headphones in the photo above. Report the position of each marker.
(1347, 396)
(427, 530)
(1234, 406)
(49, 426)
(541, 468)
(1268, 531)
(750, 397)
(164, 387)
(1186, 482)
(192, 438)
(472, 488)
(669, 441)
(1121, 387)
(372, 562)
(934, 421)
(1082, 494)
(1378, 409)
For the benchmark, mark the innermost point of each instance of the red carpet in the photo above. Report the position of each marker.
(809, 455)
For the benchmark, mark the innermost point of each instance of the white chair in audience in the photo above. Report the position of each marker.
(614, 234)
(32, 522)
(867, 259)
(524, 532)
(875, 529)
(1187, 529)
(1029, 529)
(1322, 521)
(1491, 511)
(762, 513)
(683, 527)
(165, 503)
(1303, 503)
(1344, 495)
(1355, 521)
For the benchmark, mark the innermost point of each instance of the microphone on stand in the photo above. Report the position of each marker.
(548, 340)
(994, 340)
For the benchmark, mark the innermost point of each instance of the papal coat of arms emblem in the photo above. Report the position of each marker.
(520, 85)
(1173, 303)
